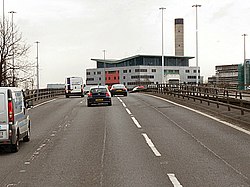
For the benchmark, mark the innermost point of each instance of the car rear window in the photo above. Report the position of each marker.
(118, 86)
(98, 90)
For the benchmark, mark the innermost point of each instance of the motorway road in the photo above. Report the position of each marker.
(139, 141)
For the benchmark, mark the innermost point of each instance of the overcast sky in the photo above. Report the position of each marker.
(71, 32)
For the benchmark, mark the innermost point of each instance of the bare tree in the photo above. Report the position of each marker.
(12, 45)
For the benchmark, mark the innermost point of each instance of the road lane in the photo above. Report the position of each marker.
(139, 141)
(200, 151)
(43, 120)
(89, 146)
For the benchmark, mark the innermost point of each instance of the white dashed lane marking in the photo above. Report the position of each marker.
(174, 180)
(128, 111)
(151, 145)
(136, 122)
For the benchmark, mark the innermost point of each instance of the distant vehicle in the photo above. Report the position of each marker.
(138, 88)
(14, 119)
(99, 95)
(248, 88)
(118, 89)
(74, 87)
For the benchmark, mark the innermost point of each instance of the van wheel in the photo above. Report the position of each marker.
(15, 147)
(67, 96)
(27, 137)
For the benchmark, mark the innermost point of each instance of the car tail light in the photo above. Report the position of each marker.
(90, 94)
(10, 112)
(107, 94)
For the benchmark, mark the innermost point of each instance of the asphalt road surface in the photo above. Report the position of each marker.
(139, 141)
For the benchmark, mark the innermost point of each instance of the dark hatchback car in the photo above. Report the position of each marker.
(99, 95)
(118, 89)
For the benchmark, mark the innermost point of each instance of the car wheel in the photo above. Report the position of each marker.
(109, 103)
(88, 104)
(27, 137)
(15, 147)
(125, 94)
(67, 96)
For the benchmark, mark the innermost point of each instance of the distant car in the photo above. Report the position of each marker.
(99, 95)
(118, 89)
(138, 88)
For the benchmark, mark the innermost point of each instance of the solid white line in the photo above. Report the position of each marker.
(151, 145)
(43, 103)
(211, 117)
(124, 105)
(103, 154)
(128, 111)
(136, 122)
(174, 180)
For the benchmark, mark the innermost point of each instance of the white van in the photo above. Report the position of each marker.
(74, 86)
(14, 118)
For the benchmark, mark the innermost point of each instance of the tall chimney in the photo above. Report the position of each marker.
(179, 37)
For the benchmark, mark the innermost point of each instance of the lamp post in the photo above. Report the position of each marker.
(244, 64)
(104, 65)
(13, 53)
(196, 7)
(162, 48)
(3, 60)
(37, 69)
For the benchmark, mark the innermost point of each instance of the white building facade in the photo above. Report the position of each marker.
(142, 70)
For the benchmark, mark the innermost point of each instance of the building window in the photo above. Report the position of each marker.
(153, 70)
(98, 72)
(140, 70)
(195, 71)
(90, 79)
(94, 73)
(187, 71)
(124, 71)
(100, 78)
(88, 73)
(114, 78)
(130, 71)
(142, 77)
(124, 77)
(111, 72)
(191, 77)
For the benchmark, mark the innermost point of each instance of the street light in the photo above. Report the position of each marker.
(104, 65)
(162, 48)
(37, 69)
(4, 61)
(244, 64)
(13, 53)
(196, 6)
